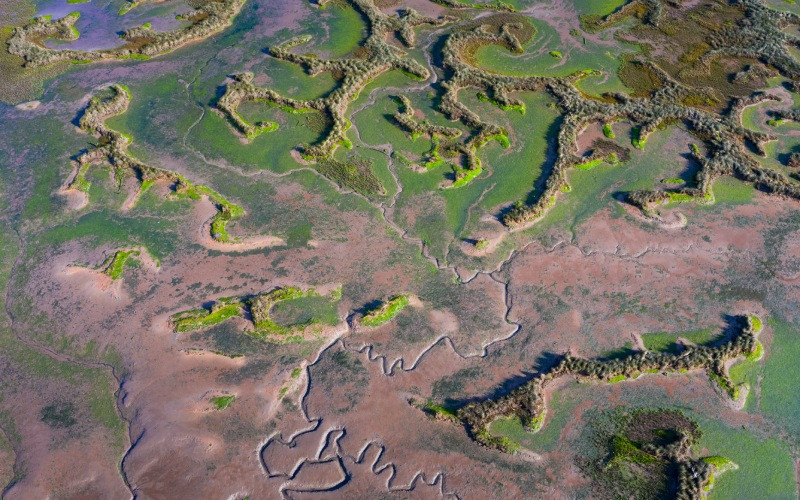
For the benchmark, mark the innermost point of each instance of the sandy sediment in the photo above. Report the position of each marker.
(76, 199)
(28, 106)
(95, 282)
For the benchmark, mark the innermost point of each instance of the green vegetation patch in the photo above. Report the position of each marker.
(588, 165)
(307, 310)
(222, 402)
(354, 173)
(595, 160)
(138, 57)
(622, 449)
(115, 263)
(385, 311)
(114, 268)
(317, 310)
(261, 307)
(199, 319)
(465, 176)
(755, 323)
(637, 140)
(721, 464)
(617, 378)
(667, 342)
(437, 411)
(757, 353)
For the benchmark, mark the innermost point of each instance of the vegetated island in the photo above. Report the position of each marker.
(386, 310)
(142, 42)
(222, 402)
(256, 308)
(115, 263)
(527, 402)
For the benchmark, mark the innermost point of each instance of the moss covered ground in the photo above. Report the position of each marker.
(385, 311)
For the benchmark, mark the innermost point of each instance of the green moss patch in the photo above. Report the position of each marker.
(199, 319)
(115, 263)
(386, 311)
(222, 402)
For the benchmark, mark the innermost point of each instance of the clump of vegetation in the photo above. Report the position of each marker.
(355, 174)
(257, 308)
(602, 151)
(435, 411)
(261, 305)
(780, 116)
(794, 160)
(755, 323)
(721, 464)
(222, 402)
(466, 165)
(226, 211)
(637, 138)
(115, 263)
(590, 164)
(623, 450)
(385, 311)
(198, 319)
(464, 176)
(757, 353)
(494, 5)
(608, 131)
(207, 18)
(536, 423)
